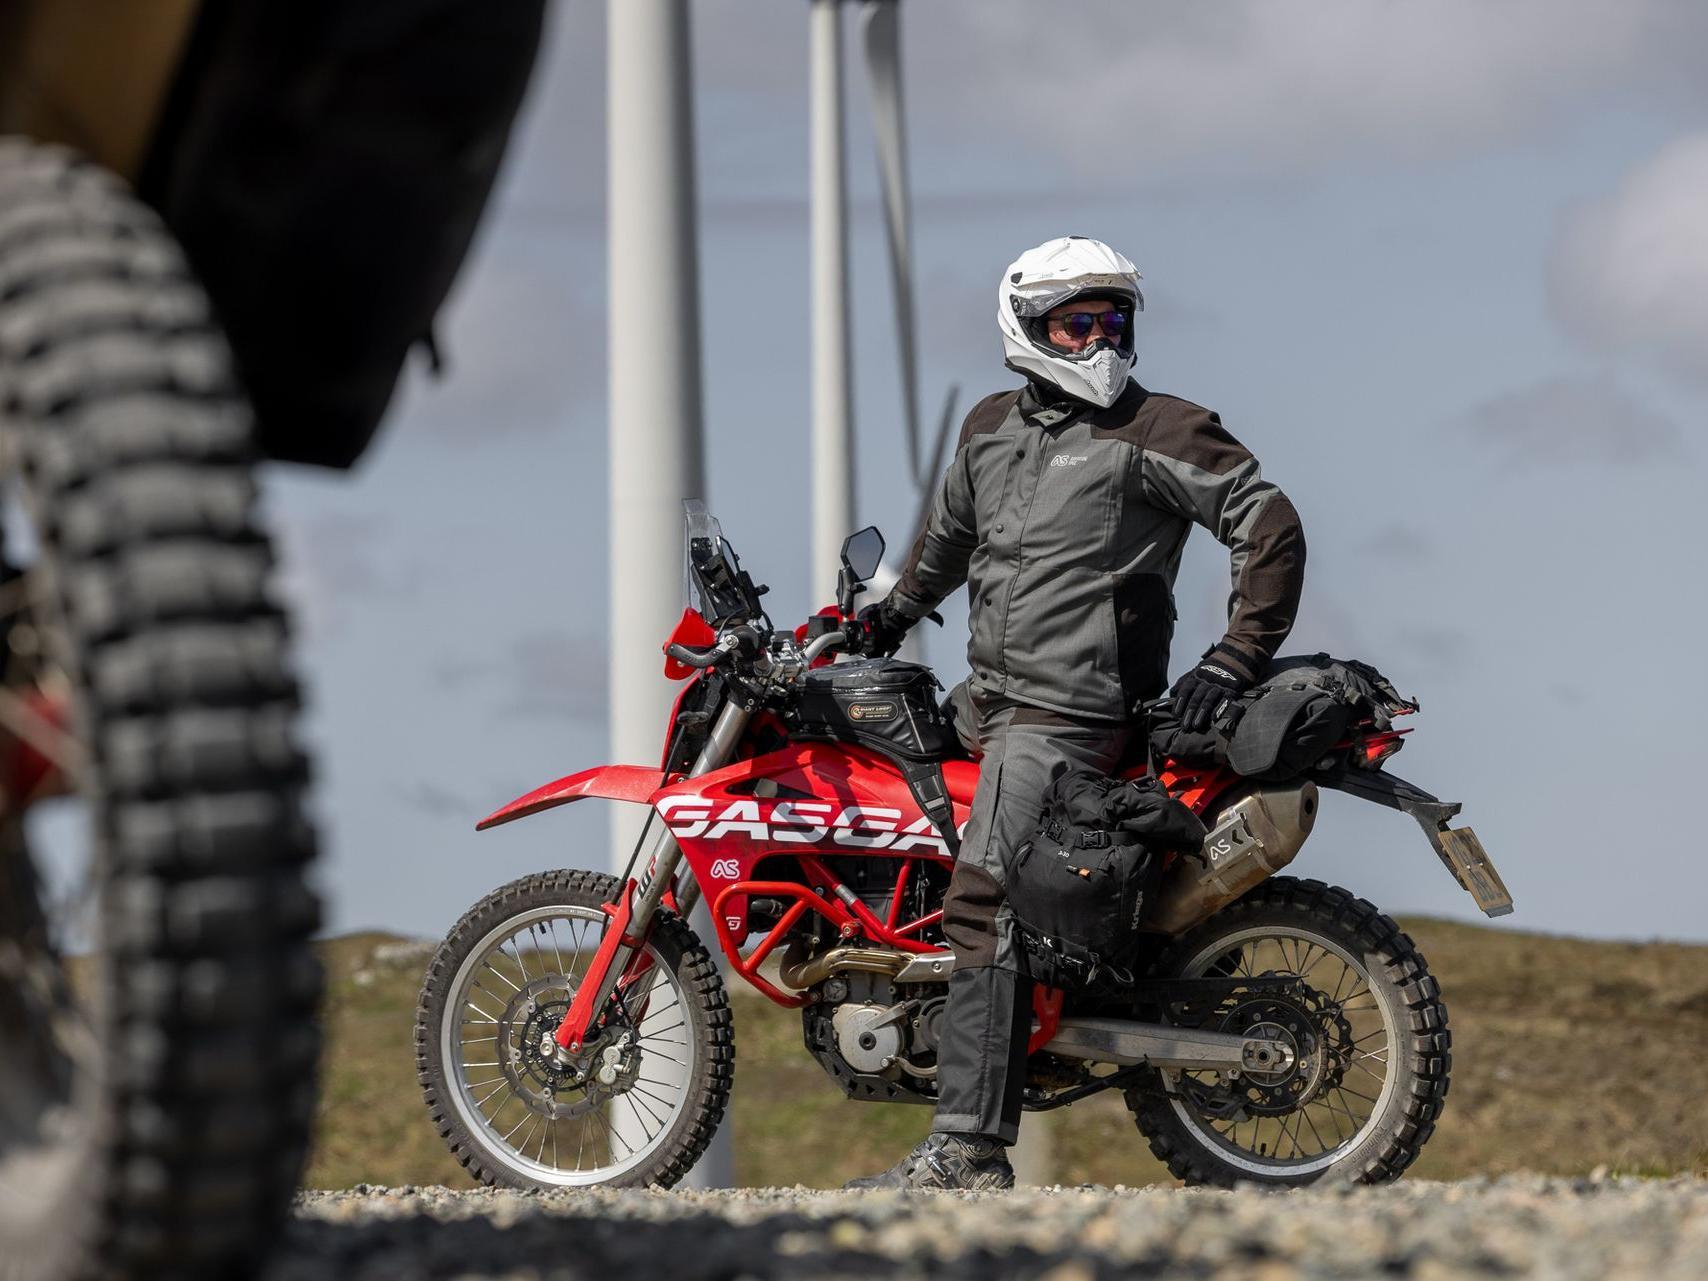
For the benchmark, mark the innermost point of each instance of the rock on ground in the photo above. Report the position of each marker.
(1593, 1229)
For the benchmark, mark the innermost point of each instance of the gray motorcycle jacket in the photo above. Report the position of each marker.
(1067, 521)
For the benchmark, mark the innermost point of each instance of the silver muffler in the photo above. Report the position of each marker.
(800, 972)
(1254, 839)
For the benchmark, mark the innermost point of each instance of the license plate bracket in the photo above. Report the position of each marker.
(1463, 853)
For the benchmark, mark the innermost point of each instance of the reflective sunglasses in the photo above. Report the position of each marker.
(1079, 324)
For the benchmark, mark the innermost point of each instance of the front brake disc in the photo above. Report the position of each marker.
(548, 1079)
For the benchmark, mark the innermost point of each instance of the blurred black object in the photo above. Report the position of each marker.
(324, 164)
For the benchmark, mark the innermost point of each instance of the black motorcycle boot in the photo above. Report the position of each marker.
(947, 1163)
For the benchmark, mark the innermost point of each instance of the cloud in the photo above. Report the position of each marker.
(1439, 648)
(331, 558)
(549, 673)
(1247, 89)
(1257, 88)
(1573, 420)
(523, 338)
(1399, 545)
(434, 799)
(1629, 272)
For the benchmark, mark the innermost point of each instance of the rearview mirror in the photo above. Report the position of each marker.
(862, 553)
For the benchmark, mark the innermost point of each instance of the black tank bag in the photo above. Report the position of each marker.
(1078, 887)
(891, 707)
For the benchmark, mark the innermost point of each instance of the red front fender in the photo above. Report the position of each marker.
(614, 782)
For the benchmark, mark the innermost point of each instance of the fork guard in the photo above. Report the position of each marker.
(633, 783)
(1460, 850)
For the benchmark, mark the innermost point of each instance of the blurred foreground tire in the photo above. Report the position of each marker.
(156, 1089)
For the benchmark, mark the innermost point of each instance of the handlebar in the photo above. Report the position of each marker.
(696, 657)
(725, 649)
(821, 643)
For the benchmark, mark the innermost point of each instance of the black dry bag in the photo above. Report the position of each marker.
(1078, 887)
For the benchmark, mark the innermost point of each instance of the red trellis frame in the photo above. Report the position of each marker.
(827, 894)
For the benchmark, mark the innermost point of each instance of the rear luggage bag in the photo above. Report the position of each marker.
(1285, 724)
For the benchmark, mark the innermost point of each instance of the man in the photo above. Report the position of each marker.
(1065, 511)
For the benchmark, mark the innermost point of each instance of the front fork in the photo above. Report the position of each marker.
(631, 916)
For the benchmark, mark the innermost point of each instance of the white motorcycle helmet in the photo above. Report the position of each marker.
(1041, 279)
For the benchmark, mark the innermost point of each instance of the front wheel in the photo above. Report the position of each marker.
(1365, 1024)
(635, 1108)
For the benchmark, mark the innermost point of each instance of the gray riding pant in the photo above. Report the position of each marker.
(981, 1056)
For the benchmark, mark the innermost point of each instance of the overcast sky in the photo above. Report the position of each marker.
(1443, 267)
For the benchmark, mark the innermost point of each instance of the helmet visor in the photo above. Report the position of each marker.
(1072, 333)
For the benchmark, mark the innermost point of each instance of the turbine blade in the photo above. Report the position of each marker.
(882, 28)
(933, 471)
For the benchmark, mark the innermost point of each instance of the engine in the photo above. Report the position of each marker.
(873, 881)
(878, 1040)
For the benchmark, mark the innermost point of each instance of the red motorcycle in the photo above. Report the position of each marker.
(573, 1030)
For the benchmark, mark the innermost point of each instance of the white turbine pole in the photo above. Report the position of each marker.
(832, 408)
(657, 459)
(657, 456)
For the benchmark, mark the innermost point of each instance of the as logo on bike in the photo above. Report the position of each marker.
(726, 869)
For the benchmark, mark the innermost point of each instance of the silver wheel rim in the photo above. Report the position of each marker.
(1351, 1116)
(540, 955)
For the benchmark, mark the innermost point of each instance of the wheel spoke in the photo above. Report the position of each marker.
(611, 1135)
(631, 1094)
(663, 1103)
(556, 952)
(516, 952)
(649, 1134)
(1305, 1115)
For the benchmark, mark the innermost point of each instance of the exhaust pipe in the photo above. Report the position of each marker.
(802, 974)
(1253, 840)
(903, 967)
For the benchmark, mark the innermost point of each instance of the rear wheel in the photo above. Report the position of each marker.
(1365, 1025)
(636, 1107)
(157, 1087)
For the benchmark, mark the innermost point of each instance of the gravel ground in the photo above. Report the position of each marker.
(1594, 1229)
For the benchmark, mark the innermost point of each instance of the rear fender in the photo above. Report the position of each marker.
(634, 783)
(1458, 848)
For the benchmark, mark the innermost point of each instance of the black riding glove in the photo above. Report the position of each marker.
(1199, 694)
(883, 627)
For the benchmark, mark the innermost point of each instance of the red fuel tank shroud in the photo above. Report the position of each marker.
(824, 798)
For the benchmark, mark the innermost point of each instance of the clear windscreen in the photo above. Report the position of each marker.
(700, 529)
(712, 581)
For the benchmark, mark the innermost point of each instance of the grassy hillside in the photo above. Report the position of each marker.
(1567, 1055)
